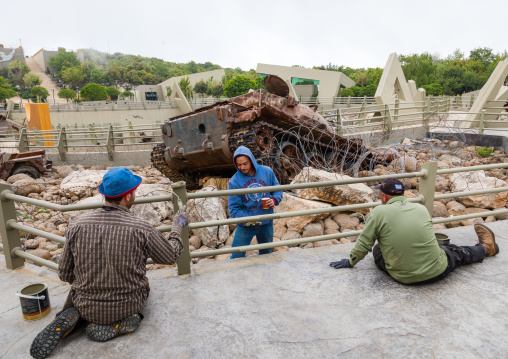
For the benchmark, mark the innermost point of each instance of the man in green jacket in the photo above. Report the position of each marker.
(407, 248)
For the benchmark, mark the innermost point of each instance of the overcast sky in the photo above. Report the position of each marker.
(359, 33)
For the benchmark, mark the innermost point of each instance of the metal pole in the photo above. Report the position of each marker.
(482, 122)
(180, 200)
(428, 185)
(110, 144)
(62, 144)
(388, 119)
(10, 236)
(23, 144)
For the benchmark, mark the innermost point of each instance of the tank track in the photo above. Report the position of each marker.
(159, 162)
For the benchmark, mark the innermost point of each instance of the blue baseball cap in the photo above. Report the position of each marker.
(118, 182)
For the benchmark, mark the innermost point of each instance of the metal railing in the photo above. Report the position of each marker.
(64, 139)
(15, 256)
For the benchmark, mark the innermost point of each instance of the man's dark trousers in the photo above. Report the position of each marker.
(457, 256)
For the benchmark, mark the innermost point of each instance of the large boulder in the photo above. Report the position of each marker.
(209, 209)
(18, 177)
(64, 171)
(291, 203)
(339, 195)
(154, 212)
(24, 187)
(477, 180)
(82, 183)
(439, 210)
(313, 230)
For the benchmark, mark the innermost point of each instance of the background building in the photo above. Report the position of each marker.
(9, 54)
(309, 82)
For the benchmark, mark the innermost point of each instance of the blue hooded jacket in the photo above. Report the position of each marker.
(250, 204)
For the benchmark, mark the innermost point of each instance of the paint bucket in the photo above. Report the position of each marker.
(34, 301)
(442, 238)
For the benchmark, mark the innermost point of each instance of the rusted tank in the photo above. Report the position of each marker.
(281, 133)
(31, 163)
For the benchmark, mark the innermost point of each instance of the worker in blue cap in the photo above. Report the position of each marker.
(104, 259)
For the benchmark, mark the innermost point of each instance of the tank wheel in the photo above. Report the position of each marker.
(28, 170)
(316, 160)
(289, 160)
(264, 140)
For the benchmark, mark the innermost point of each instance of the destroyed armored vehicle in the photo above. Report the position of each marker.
(281, 133)
(31, 163)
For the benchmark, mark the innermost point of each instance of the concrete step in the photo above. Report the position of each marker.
(292, 305)
(47, 83)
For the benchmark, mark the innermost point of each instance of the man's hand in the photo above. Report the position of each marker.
(343, 263)
(270, 203)
(181, 219)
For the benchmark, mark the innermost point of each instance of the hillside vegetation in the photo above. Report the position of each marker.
(454, 74)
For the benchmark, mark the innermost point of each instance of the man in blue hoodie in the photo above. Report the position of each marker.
(251, 175)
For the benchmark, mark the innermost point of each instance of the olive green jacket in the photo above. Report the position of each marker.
(406, 239)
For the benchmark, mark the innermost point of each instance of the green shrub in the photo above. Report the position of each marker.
(484, 151)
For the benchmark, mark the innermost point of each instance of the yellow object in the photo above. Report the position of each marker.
(38, 117)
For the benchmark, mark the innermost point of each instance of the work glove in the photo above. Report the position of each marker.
(181, 219)
(343, 263)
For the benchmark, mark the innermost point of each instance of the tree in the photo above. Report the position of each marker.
(483, 54)
(185, 86)
(67, 94)
(17, 70)
(63, 59)
(217, 90)
(433, 89)
(73, 76)
(238, 85)
(31, 79)
(113, 92)
(127, 94)
(7, 93)
(4, 83)
(40, 92)
(201, 87)
(94, 92)
(419, 67)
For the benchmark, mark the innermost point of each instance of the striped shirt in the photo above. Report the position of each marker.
(104, 258)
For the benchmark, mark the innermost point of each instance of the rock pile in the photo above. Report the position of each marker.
(77, 184)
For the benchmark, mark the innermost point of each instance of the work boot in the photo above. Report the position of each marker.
(486, 239)
(46, 341)
(104, 332)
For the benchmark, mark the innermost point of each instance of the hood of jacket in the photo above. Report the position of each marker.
(244, 151)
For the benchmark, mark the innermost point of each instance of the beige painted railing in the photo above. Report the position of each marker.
(15, 255)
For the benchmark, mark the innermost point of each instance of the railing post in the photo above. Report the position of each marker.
(132, 134)
(348, 101)
(339, 122)
(62, 144)
(92, 134)
(388, 119)
(427, 186)
(482, 122)
(10, 237)
(471, 101)
(426, 113)
(38, 137)
(180, 199)
(110, 144)
(23, 144)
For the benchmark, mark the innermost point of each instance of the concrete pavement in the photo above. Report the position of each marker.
(292, 305)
